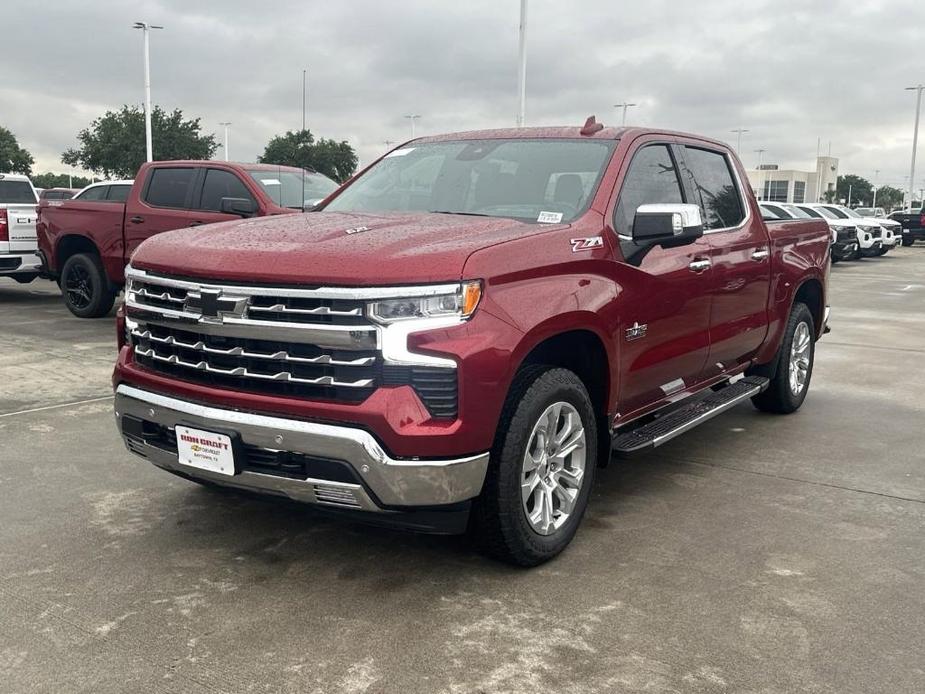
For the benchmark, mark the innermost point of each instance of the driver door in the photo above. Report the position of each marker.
(664, 336)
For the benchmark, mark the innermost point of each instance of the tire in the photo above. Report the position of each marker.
(501, 517)
(84, 287)
(786, 394)
(25, 279)
(908, 241)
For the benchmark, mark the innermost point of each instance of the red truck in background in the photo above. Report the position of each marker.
(467, 328)
(85, 244)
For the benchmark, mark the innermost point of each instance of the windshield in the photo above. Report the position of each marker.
(16, 192)
(285, 186)
(828, 213)
(530, 180)
(866, 212)
(797, 212)
(835, 213)
(849, 212)
(811, 212)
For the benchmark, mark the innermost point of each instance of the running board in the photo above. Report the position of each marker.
(687, 417)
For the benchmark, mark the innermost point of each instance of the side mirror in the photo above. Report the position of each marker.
(672, 224)
(244, 207)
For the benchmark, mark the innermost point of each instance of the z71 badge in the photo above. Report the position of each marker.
(587, 244)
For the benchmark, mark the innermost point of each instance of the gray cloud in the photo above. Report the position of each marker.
(789, 71)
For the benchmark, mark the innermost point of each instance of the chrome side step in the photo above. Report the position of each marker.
(685, 418)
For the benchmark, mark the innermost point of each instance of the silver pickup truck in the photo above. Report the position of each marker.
(19, 256)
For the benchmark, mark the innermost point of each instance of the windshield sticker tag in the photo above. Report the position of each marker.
(270, 181)
(587, 244)
(399, 152)
(549, 217)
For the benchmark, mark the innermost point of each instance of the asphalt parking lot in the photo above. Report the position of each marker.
(758, 553)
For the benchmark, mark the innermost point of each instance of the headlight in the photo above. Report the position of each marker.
(460, 303)
(840, 228)
(867, 229)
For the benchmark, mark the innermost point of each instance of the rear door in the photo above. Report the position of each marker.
(163, 203)
(18, 198)
(741, 255)
(664, 330)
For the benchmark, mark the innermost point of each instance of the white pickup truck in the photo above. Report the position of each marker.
(19, 256)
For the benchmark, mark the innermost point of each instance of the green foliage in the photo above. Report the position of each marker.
(334, 159)
(53, 180)
(114, 144)
(888, 197)
(13, 158)
(861, 188)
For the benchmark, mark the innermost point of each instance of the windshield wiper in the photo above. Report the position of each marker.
(467, 214)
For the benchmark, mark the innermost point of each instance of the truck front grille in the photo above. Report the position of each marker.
(314, 343)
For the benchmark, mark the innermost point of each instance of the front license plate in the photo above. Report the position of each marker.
(205, 450)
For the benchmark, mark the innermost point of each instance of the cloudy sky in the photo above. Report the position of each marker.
(791, 72)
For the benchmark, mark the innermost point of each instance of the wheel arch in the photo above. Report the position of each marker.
(812, 293)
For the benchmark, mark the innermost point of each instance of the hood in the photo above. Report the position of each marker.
(338, 248)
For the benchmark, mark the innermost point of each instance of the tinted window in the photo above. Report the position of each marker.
(118, 193)
(773, 212)
(95, 193)
(652, 178)
(16, 192)
(296, 189)
(719, 197)
(811, 212)
(169, 187)
(221, 184)
(837, 212)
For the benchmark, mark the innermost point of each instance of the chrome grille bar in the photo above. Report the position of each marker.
(243, 372)
(319, 311)
(281, 355)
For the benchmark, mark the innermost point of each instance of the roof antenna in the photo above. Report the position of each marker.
(591, 126)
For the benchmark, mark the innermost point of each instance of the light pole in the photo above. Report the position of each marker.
(304, 77)
(739, 132)
(625, 105)
(761, 195)
(876, 175)
(146, 28)
(388, 143)
(226, 124)
(521, 68)
(412, 117)
(915, 137)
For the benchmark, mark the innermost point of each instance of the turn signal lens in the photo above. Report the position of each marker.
(472, 293)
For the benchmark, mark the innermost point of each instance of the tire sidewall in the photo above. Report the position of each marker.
(800, 314)
(548, 388)
(97, 281)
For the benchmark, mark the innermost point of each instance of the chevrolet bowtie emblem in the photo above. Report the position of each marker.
(213, 307)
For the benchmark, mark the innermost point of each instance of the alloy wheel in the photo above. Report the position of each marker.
(800, 354)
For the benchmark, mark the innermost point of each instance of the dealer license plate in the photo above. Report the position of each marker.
(205, 450)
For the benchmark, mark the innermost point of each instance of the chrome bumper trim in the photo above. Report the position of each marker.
(394, 482)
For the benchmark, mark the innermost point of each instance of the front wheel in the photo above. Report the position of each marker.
(84, 288)
(908, 240)
(790, 384)
(541, 470)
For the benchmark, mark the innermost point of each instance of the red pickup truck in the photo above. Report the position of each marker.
(86, 243)
(467, 329)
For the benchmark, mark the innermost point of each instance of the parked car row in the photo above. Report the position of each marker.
(853, 235)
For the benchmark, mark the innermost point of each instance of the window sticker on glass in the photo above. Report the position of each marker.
(400, 152)
(270, 181)
(549, 217)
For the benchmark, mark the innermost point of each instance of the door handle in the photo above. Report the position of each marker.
(760, 254)
(137, 220)
(700, 265)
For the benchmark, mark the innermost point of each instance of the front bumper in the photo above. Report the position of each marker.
(381, 484)
(19, 263)
(844, 249)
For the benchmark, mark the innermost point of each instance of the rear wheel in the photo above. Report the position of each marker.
(790, 384)
(84, 288)
(908, 240)
(541, 470)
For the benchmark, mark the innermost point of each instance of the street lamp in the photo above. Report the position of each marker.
(739, 132)
(624, 106)
(761, 195)
(521, 68)
(226, 124)
(915, 138)
(876, 175)
(412, 117)
(146, 27)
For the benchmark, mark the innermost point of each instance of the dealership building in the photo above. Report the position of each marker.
(774, 184)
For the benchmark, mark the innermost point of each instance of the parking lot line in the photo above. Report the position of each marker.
(59, 405)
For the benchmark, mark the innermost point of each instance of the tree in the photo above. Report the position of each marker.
(860, 188)
(888, 197)
(13, 158)
(334, 159)
(114, 144)
(53, 180)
